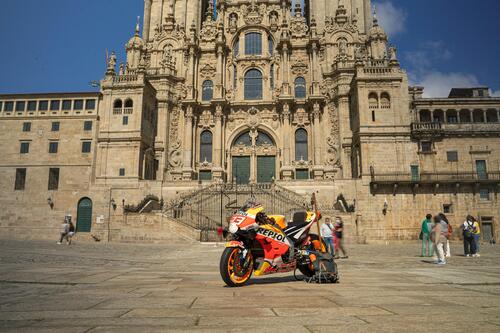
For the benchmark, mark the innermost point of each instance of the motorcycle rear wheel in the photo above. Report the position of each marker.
(230, 269)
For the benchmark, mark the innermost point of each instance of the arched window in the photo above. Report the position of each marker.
(373, 101)
(253, 85)
(300, 87)
(207, 90)
(385, 101)
(270, 43)
(301, 153)
(244, 140)
(129, 103)
(263, 139)
(206, 146)
(425, 116)
(117, 106)
(253, 43)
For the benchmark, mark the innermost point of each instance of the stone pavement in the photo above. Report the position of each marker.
(99, 287)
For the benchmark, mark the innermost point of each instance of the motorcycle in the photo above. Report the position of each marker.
(262, 245)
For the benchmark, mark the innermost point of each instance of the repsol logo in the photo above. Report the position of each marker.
(271, 234)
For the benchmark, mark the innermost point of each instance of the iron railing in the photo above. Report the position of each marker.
(209, 208)
(435, 177)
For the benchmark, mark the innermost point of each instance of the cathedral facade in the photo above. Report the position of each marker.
(311, 97)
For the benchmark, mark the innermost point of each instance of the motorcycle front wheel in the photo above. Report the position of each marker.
(231, 267)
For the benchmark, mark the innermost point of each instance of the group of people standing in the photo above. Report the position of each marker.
(436, 232)
(333, 234)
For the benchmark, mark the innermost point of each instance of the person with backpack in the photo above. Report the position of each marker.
(449, 233)
(425, 236)
(468, 234)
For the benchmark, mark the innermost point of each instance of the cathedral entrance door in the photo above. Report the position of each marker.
(266, 169)
(241, 169)
(253, 156)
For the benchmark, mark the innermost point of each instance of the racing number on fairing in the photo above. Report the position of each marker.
(238, 219)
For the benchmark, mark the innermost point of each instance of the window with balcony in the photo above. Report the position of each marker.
(373, 101)
(451, 116)
(478, 116)
(117, 106)
(385, 101)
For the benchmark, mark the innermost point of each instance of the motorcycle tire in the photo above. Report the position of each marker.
(227, 268)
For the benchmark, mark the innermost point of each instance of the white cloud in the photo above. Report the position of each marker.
(437, 84)
(391, 18)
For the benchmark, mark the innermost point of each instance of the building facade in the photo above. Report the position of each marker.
(311, 98)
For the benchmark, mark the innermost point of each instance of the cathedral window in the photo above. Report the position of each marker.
(373, 101)
(117, 106)
(253, 85)
(207, 90)
(129, 106)
(263, 139)
(301, 151)
(300, 87)
(244, 140)
(253, 43)
(206, 146)
(385, 101)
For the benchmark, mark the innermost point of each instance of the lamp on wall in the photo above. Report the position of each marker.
(113, 203)
(386, 206)
(50, 202)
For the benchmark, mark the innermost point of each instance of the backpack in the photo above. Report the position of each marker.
(468, 229)
(450, 231)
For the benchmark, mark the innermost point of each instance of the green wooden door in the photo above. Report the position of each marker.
(84, 215)
(266, 169)
(482, 174)
(241, 169)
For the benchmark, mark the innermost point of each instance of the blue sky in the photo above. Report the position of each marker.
(60, 45)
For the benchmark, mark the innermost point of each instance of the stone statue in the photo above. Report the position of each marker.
(112, 63)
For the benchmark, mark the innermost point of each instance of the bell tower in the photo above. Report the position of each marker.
(325, 9)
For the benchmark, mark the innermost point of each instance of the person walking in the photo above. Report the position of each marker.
(327, 230)
(339, 238)
(449, 233)
(438, 236)
(64, 230)
(425, 236)
(468, 235)
(71, 232)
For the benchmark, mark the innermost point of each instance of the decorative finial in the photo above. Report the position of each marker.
(137, 26)
(375, 20)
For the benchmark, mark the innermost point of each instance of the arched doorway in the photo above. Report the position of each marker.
(84, 215)
(253, 158)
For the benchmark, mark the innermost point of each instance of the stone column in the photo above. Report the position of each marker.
(220, 73)
(217, 171)
(187, 170)
(190, 77)
(147, 20)
(315, 84)
(286, 170)
(285, 77)
(318, 169)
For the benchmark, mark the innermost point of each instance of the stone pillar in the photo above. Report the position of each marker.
(219, 74)
(315, 83)
(217, 170)
(285, 77)
(318, 169)
(286, 170)
(190, 77)
(187, 170)
(147, 20)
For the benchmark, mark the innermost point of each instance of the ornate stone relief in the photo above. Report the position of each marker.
(207, 71)
(333, 141)
(298, 26)
(206, 120)
(208, 32)
(300, 68)
(175, 154)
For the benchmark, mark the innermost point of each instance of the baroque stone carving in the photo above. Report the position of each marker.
(333, 141)
(207, 71)
(175, 155)
(300, 68)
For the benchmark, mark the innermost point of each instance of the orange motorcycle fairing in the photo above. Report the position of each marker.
(273, 241)
(234, 243)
